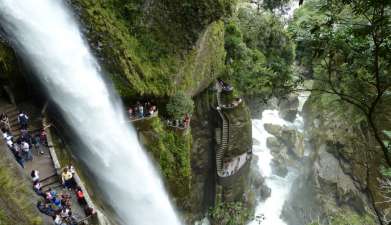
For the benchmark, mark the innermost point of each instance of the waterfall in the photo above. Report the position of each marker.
(46, 35)
(269, 211)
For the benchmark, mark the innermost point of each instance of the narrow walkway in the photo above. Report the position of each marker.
(42, 160)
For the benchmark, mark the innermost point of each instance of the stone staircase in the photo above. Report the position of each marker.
(223, 143)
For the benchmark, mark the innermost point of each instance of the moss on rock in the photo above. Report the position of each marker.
(137, 57)
(171, 150)
(17, 200)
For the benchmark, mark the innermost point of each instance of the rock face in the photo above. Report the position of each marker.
(339, 177)
(331, 178)
(155, 47)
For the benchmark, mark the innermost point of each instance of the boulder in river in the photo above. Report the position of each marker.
(273, 129)
(290, 137)
(288, 107)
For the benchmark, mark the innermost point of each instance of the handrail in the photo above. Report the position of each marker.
(155, 114)
(233, 104)
(47, 178)
(100, 216)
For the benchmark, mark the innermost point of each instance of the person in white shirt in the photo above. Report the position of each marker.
(26, 151)
(35, 175)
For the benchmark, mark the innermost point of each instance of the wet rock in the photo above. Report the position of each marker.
(274, 145)
(289, 137)
(329, 177)
(273, 129)
(265, 192)
(288, 107)
(294, 140)
(279, 167)
(256, 142)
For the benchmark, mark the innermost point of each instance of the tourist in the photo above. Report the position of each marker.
(186, 120)
(71, 220)
(80, 196)
(57, 220)
(9, 141)
(71, 169)
(152, 110)
(34, 175)
(64, 212)
(66, 177)
(37, 188)
(89, 211)
(25, 136)
(26, 151)
(147, 105)
(4, 122)
(57, 204)
(23, 120)
(66, 200)
(141, 111)
(43, 137)
(37, 144)
(45, 208)
(48, 195)
(130, 112)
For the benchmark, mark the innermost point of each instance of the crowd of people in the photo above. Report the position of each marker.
(184, 123)
(22, 146)
(56, 205)
(59, 205)
(141, 110)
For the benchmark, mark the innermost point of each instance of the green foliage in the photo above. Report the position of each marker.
(179, 105)
(229, 213)
(336, 43)
(259, 54)
(386, 172)
(345, 47)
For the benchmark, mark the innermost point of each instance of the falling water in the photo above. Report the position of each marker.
(47, 36)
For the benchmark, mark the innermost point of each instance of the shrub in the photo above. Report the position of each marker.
(179, 105)
(229, 213)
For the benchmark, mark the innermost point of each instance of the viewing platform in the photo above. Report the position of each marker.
(139, 118)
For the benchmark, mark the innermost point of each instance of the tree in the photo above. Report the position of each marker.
(350, 43)
(179, 105)
(259, 54)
